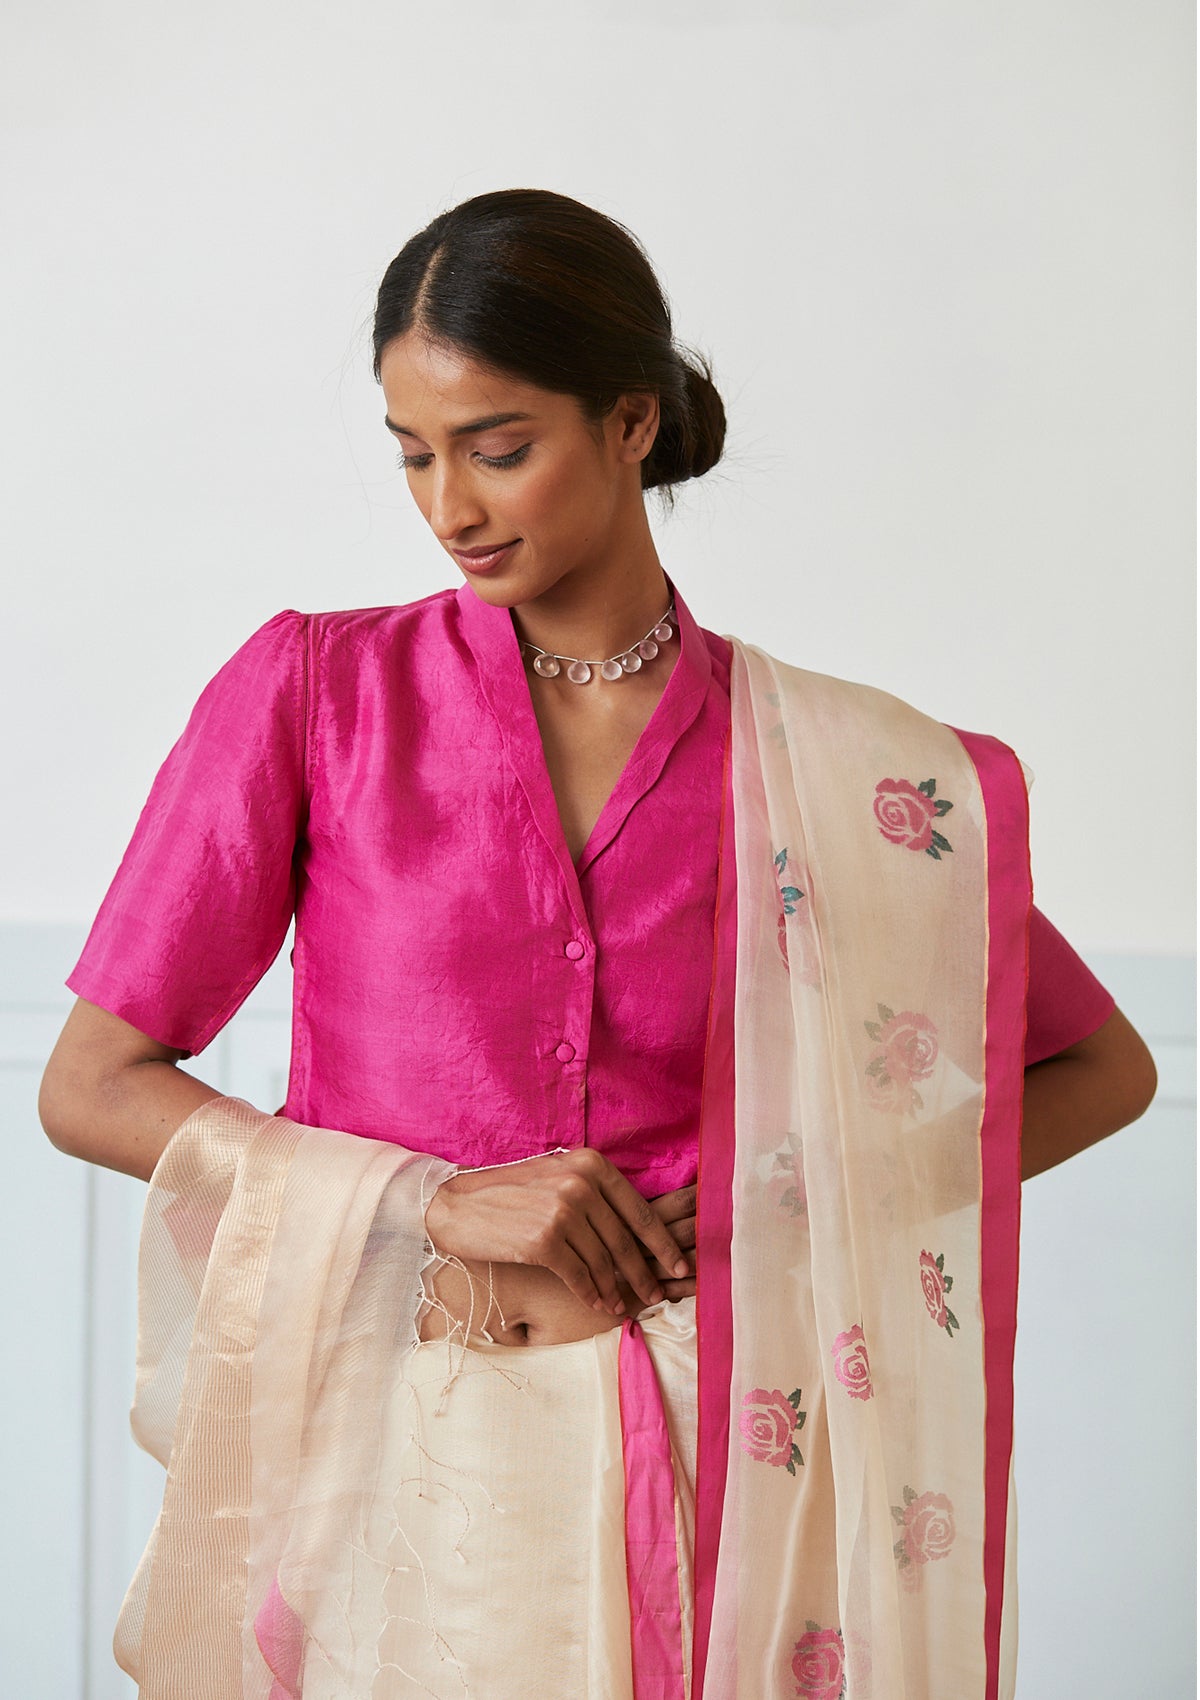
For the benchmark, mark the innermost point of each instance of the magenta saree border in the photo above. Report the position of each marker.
(714, 1235)
(1009, 898)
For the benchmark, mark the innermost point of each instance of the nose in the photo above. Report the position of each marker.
(454, 506)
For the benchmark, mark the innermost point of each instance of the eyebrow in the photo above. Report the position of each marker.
(487, 424)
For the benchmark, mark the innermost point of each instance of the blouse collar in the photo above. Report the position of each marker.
(492, 638)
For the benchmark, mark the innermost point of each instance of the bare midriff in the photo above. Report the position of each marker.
(528, 1306)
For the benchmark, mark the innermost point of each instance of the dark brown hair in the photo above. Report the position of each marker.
(548, 290)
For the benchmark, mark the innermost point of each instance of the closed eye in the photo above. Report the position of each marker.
(418, 463)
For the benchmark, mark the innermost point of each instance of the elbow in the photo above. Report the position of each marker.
(1143, 1083)
(58, 1105)
(1132, 1074)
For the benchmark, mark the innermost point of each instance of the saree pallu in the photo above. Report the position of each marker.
(329, 1484)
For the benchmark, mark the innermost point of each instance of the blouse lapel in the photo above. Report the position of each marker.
(493, 641)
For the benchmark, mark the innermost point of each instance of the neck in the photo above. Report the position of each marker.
(597, 615)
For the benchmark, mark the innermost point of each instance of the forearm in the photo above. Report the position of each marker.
(1088, 1091)
(113, 1097)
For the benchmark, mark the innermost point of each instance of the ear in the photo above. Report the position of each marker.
(636, 417)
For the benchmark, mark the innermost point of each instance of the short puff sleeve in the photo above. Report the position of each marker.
(1065, 1002)
(202, 900)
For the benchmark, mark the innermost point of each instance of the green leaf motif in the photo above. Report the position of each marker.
(801, 1418)
(909, 1495)
(874, 1030)
(796, 1458)
(790, 1466)
(781, 859)
(812, 1627)
(898, 1513)
(942, 843)
(947, 1282)
(940, 1261)
(794, 1400)
(885, 1014)
(951, 1322)
(943, 807)
(791, 893)
(928, 787)
(932, 850)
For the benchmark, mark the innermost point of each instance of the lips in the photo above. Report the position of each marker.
(482, 559)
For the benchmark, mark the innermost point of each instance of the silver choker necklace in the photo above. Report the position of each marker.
(627, 661)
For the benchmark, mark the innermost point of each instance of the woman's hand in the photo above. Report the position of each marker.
(677, 1211)
(571, 1212)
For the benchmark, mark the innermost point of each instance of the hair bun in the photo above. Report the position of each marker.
(708, 414)
(691, 432)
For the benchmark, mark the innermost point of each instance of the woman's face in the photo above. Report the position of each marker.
(492, 461)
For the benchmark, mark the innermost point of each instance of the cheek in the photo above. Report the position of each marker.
(548, 500)
(571, 495)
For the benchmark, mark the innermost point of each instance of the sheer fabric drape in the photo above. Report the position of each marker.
(331, 1484)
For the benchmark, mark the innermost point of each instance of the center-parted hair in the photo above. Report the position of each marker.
(548, 290)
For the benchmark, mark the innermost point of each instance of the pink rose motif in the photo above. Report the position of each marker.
(927, 1521)
(905, 815)
(819, 1664)
(906, 812)
(906, 1051)
(933, 1286)
(850, 1363)
(783, 938)
(768, 1425)
(910, 1045)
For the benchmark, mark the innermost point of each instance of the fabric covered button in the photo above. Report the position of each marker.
(574, 950)
(565, 1052)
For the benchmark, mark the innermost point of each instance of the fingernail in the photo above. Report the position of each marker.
(681, 1267)
(657, 1296)
(619, 1308)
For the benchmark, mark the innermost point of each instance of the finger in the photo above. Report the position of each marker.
(626, 1253)
(684, 1230)
(676, 1290)
(647, 1226)
(671, 1207)
(576, 1274)
(590, 1247)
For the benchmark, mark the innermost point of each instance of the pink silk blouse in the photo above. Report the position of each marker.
(462, 986)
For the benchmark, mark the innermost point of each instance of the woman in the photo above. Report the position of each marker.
(526, 958)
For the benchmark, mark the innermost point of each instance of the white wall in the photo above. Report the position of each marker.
(942, 256)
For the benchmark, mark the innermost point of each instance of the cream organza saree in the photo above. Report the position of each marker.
(796, 1485)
